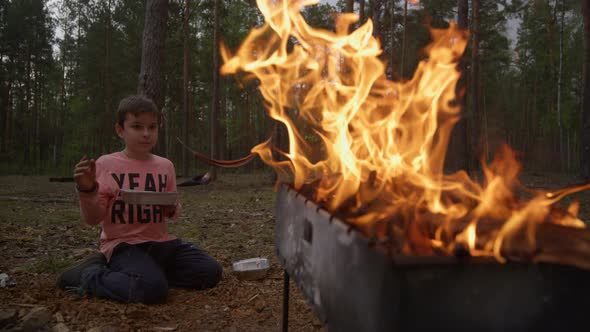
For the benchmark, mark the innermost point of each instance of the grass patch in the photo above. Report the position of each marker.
(49, 264)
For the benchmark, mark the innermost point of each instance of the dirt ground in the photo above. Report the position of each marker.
(231, 218)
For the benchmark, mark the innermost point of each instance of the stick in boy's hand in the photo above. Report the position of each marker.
(85, 174)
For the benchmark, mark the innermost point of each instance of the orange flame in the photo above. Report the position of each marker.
(374, 149)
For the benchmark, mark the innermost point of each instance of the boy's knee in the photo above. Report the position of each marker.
(149, 290)
(216, 273)
(209, 275)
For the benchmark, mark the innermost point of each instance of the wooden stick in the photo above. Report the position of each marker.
(36, 200)
(25, 305)
(220, 163)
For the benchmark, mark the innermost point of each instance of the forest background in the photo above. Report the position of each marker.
(65, 64)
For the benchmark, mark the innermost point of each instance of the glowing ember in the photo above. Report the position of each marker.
(373, 150)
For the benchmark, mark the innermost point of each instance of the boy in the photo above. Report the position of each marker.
(138, 259)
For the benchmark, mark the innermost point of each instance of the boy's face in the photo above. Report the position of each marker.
(140, 132)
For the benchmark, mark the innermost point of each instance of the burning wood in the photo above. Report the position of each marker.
(383, 145)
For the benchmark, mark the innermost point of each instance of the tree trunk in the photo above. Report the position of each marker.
(36, 157)
(559, 85)
(349, 6)
(224, 146)
(108, 84)
(568, 149)
(152, 60)
(463, 22)
(252, 125)
(361, 12)
(215, 98)
(375, 13)
(533, 112)
(7, 119)
(476, 134)
(463, 125)
(62, 115)
(463, 14)
(585, 112)
(28, 111)
(391, 39)
(459, 153)
(404, 36)
(185, 94)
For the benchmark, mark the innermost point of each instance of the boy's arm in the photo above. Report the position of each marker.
(94, 205)
(93, 201)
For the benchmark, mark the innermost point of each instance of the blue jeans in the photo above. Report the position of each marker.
(143, 272)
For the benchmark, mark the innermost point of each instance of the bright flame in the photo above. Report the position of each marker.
(471, 235)
(379, 163)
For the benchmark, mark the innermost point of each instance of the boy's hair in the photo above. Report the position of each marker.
(135, 104)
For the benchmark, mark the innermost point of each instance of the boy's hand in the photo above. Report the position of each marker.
(168, 210)
(85, 174)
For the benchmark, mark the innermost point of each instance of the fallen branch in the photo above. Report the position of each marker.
(25, 305)
(61, 179)
(36, 200)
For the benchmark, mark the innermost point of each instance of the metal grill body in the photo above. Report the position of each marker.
(353, 287)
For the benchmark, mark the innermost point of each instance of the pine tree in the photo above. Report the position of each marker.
(585, 112)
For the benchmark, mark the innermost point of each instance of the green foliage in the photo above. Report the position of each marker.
(537, 68)
(59, 91)
(49, 264)
(320, 16)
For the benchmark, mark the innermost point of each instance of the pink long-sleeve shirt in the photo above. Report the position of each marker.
(122, 222)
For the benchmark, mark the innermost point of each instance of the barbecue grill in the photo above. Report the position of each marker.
(352, 285)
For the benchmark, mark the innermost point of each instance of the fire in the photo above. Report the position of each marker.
(372, 150)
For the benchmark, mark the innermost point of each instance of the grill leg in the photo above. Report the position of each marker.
(286, 302)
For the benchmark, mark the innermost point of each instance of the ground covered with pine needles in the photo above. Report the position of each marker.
(232, 219)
